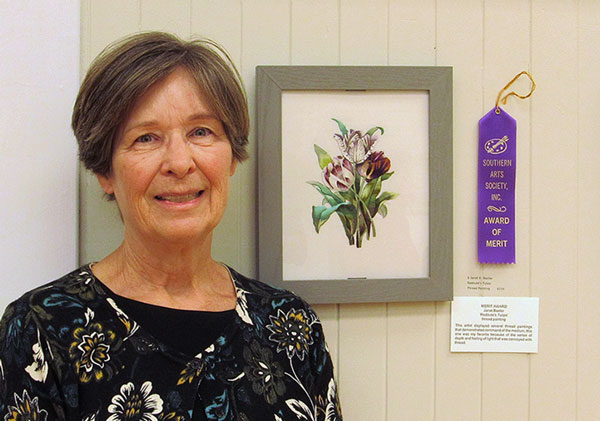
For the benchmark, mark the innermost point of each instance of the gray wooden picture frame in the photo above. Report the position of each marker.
(271, 82)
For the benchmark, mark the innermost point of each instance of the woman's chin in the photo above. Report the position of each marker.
(180, 233)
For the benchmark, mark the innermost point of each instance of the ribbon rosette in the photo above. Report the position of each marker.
(352, 183)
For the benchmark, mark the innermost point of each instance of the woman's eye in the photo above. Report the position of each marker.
(202, 131)
(145, 138)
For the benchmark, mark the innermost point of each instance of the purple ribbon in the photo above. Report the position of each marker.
(496, 185)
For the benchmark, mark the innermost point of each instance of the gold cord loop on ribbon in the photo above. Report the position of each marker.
(505, 97)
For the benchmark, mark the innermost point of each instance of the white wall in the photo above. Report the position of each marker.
(39, 76)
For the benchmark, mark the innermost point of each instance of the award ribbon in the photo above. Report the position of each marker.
(496, 181)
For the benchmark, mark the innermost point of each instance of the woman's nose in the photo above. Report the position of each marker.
(178, 159)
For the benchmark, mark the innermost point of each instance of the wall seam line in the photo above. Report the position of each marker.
(139, 15)
(577, 218)
(387, 355)
(435, 347)
(530, 199)
(339, 32)
(387, 39)
(290, 5)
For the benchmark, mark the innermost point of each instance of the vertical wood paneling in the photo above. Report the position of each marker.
(363, 361)
(588, 316)
(457, 376)
(411, 326)
(175, 18)
(506, 53)
(505, 377)
(315, 32)
(455, 397)
(265, 40)
(221, 21)
(85, 13)
(462, 49)
(410, 367)
(329, 316)
(412, 32)
(554, 208)
(109, 20)
(364, 32)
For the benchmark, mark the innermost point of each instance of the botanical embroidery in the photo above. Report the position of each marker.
(135, 404)
(270, 363)
(25, 409)
(292, 332)
(265, 374)
(38, 369)
(91, 352)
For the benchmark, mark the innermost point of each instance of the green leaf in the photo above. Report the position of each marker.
(348, 195)
(366, 218)
(326, 192)
(342, 127)
(347, 224)
(371, 131)
(372, 188)
(379, 202)
(386, 175)
(347, 215)
(324, 157)
(377, 188)
(386, 195)
(321, 214)
(362, 229)
(383, 210)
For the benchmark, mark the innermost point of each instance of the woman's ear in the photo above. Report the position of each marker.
(105, 183)
(233, 166)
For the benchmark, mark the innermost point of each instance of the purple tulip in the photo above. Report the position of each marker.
(374, 167)
(338, 175)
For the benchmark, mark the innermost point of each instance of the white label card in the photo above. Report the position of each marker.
(494, 324)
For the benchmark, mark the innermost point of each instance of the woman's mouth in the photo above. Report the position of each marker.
(179, 198)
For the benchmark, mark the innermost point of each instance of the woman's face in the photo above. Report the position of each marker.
(171, 164)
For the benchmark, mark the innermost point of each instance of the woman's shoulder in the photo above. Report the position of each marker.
(74, 290)
(264, 296)
(263, 290)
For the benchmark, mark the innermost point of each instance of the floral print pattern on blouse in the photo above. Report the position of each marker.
(68, 352)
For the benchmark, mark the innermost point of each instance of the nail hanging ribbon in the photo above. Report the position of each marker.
(496, 181)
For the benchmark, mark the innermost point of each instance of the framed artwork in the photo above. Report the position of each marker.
(355, 182)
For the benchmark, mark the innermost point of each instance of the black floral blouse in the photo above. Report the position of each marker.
(68, 352)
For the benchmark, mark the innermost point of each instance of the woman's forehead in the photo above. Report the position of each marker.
(177, 94)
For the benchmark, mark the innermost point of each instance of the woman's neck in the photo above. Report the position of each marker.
(169, 275)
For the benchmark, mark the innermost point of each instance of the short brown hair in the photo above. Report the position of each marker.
(125, 70)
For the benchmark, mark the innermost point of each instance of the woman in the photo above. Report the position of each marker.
(158, 330)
